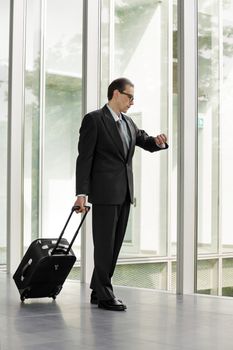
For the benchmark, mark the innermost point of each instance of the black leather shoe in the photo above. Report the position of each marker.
(94, 299)
(112, 304)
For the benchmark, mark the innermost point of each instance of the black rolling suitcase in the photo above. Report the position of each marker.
(45, 265)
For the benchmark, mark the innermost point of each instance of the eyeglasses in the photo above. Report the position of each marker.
(131, 97)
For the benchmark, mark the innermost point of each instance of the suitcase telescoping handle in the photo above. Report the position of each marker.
(74, 208)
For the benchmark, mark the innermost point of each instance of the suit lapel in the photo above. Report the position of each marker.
(112, 129)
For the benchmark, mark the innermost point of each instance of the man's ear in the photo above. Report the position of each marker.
(116, 93)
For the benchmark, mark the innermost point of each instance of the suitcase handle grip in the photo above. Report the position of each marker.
(77, 207)
(76, 233)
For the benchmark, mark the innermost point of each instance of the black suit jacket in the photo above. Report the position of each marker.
(102, 170)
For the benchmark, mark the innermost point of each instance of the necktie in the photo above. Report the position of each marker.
(122, 128)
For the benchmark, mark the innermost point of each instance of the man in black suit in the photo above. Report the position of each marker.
(104, 173)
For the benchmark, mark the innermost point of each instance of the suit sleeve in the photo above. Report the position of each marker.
(86, 150)
(145, 141)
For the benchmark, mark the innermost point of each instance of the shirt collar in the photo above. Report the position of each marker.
(115, 116)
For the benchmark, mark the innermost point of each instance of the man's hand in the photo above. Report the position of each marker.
(81, 202)
(161, 139)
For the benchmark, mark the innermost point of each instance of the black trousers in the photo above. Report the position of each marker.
(109, 225)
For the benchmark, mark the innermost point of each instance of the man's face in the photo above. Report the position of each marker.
(126, 98)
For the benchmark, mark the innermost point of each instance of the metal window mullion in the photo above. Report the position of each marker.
(169, 128)
(25, 11)
(15, 134)
(83, 257)
(170, 123)
(42, 113)
(187, 146)
(111, 40)
(220, 250)
(84, 57)
(91, 97)
(220, 134)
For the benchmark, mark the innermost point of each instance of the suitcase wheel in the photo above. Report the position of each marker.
(24, 295)
(22, 298)
(56, 292)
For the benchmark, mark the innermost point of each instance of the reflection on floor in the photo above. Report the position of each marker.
(153, 320)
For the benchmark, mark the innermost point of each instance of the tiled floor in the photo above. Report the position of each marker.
(153, 320)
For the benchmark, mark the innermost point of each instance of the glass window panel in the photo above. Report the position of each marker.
(4, 62)
(207, 282)
(173, 279)
(32, 122)
(150, 275)
(227, 277)
(208, 127)
(215, 128)
(105, 49)
(145, 51)
(63, 102)
(226, 127)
